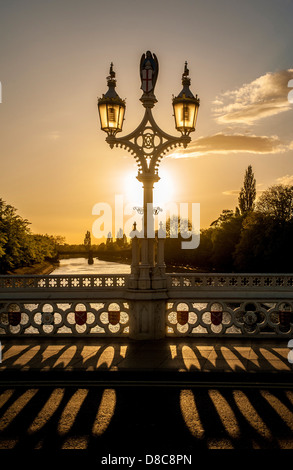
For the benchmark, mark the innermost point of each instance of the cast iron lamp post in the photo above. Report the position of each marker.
(148, 143)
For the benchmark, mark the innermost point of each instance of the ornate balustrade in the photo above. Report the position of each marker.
(246, 305)
(210, 282)
(222, 283)
(237, 318)
(61, 286)
(62, 282)
(64, 305)
(97, 318)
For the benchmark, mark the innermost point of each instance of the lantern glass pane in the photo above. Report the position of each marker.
(185, 116)
(112, 116)
(120, 117)
(188, 112)
(178, 115)
(103, 115)
(112, 111)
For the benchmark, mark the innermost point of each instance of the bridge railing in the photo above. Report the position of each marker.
(247, 305)
(230, 282)
(241, 305)
(16, 284)
(64, 305)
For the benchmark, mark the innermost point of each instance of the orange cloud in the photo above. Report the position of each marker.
(287, 180)
(235, 143)
(263, 97)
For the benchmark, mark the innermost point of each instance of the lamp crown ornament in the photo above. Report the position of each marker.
(149, 69)
(186, 84)
(111, 72)
(111, 82)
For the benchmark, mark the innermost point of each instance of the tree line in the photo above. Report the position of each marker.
(18, 246)
(255, 237)
(121, 243)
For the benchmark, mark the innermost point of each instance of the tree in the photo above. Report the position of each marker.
(18, 246)
(87, 240)
(224, 239)
(175, 226)
(177, 229)
(247, 193)
(265, 245)
(109, 238)
(44, 246)
(201, 257)
(3, 240)
(225, 216)
(119, 233)
(266, 238)
(59, 240)
(121, 239)
(277, 202)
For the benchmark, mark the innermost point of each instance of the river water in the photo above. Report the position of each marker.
(80, 266)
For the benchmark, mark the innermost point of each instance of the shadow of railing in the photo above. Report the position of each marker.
(144, 420)
(92, 354)
(147, 416)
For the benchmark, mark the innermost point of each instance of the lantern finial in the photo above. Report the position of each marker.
(111, 72)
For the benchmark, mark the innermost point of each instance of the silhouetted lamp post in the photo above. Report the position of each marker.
(148, 143)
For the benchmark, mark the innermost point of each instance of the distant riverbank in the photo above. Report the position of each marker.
(46, 267)
(80, 265)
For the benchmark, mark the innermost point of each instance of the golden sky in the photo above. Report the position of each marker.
(54, 59)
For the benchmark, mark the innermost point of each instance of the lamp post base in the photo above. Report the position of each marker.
(148, 312)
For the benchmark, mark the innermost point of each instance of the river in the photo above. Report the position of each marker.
(80, 266)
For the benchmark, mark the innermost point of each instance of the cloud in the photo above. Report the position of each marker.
(235, 192)
(54, 135)
(231, 192)
(218, 102)
(232, 143)
(286, 180)
(263, 97)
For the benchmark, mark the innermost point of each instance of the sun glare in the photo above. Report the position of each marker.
(163, 190)
(133, 190)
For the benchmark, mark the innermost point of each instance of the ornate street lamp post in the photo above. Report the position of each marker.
(148, 143)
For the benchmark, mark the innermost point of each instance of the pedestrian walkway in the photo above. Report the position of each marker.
(180, 396)
(177, 355)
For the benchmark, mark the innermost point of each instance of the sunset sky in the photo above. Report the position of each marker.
(54, 59)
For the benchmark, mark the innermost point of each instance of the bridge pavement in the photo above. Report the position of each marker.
(168, 355)
(126, 398)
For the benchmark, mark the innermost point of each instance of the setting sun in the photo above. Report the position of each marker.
(163, 189)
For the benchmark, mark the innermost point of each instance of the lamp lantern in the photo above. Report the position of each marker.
(185, 106)
(111, 107)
